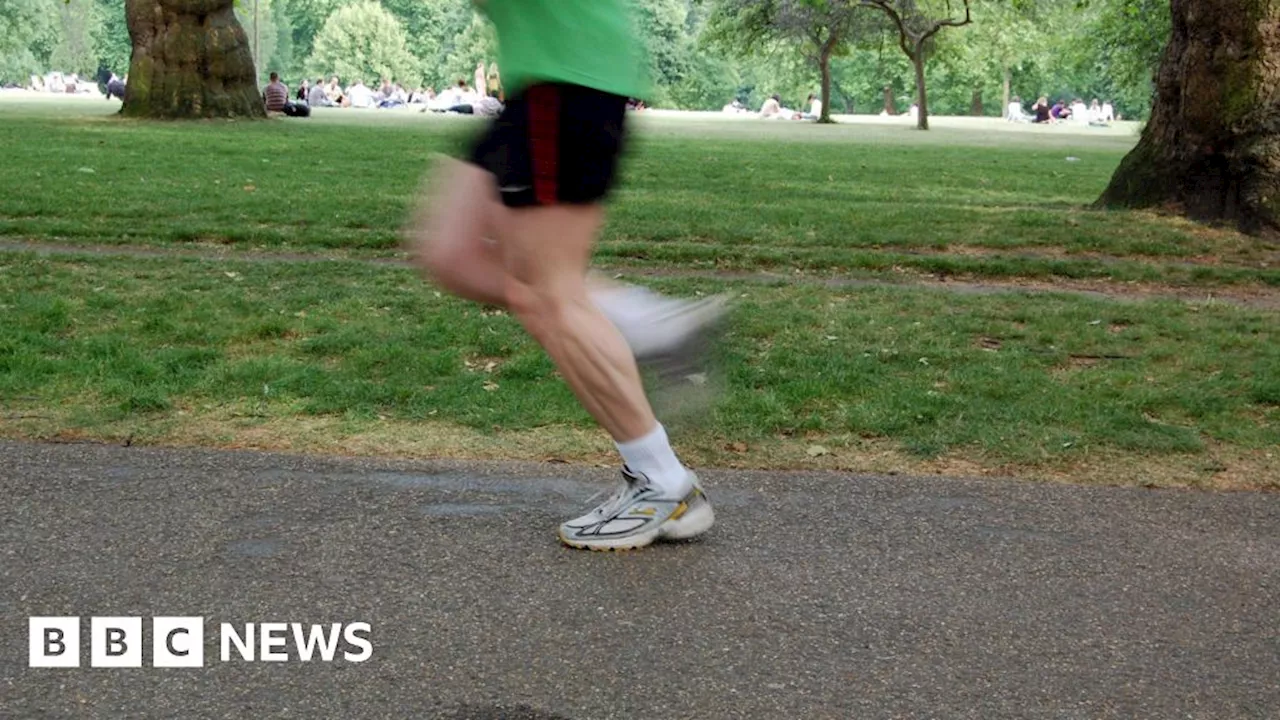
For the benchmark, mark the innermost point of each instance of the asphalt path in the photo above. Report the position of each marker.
(817, 595)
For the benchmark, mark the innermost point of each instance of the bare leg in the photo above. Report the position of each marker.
(453, 241)
(546, 251)
(452, 230)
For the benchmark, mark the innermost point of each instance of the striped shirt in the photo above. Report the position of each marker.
(276, 96)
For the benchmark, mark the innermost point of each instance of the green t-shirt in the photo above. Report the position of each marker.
(591, 43)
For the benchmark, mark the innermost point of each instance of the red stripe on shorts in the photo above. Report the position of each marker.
(544, 142)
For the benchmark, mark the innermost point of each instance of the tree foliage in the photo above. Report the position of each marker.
(363, 41)
(917, 22)
(819, 30)
(257, 17)
(702, 53)
(25, 25)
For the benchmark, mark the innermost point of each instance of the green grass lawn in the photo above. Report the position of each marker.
(730, 194)
(1052, 385)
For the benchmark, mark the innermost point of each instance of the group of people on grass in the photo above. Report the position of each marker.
(1097, 114)
(59, 83)
(483, 98)
(773, 109)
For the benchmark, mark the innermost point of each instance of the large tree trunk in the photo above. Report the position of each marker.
(975, 103)
(922, 100)
(1005, 97)
(825, 61)
(890, 107)
(191, 59)
(1212, 146)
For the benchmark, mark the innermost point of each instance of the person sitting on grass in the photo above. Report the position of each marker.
(276, 94)
(392, 99)
(1042, 112)
(115, 87)
(304, 91)
(1079, 112)
(319, 96)
(384, 91)
(1096, 116)
(772, 107)
(359, 95)
(815, 108)
(336, 94)
(1015, 112)
(451, 97)
(1060, 112)
(276, 97)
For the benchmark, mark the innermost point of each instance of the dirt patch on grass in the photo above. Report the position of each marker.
(1220, 467)
(1253, 295)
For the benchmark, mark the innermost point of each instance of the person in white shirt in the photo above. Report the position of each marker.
(771, 107)
(488, 106)
(1015, 113)
(453, 95)
(815, 108)
(359, 95)
(1108, 112)
(1079, 112)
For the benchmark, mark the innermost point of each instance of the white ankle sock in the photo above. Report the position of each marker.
(652, 456)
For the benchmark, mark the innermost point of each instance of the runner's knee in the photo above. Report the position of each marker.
(543, 309)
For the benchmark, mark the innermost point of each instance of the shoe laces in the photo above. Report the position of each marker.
(629, 483)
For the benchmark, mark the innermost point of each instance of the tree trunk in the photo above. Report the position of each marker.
(975, 105)
(889, 107)
(1005, 96)
(1212, 147)
(922, 100)
(191, 59)
(825, 62)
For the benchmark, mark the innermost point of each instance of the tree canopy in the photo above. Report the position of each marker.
(1059, 48)
(363, 41)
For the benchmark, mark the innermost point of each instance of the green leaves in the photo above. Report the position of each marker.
(363, 41)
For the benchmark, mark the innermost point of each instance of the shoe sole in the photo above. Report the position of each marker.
(686, 523)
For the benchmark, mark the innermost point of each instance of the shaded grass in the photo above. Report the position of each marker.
(1007, 378)
(767, 195)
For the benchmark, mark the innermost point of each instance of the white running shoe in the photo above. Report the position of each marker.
(638, 514)
(672, 340)
(678, 335)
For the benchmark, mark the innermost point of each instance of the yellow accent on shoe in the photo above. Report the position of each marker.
(680, 510)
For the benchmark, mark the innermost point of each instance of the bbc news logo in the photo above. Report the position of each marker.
(178, 642)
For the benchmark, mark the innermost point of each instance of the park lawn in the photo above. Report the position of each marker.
(723, 195)
(345, 356)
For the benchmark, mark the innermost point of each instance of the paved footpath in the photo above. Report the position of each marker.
(816, 596)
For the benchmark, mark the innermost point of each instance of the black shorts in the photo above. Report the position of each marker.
(554, 144)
